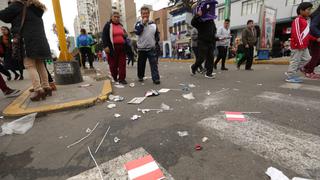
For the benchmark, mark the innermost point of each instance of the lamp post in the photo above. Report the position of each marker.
(67, 70)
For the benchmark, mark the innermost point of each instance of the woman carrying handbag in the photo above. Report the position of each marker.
(25, 17)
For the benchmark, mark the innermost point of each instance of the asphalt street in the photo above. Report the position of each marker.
(282, 133)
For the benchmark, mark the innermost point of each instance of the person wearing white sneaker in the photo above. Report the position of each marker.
(8, 92)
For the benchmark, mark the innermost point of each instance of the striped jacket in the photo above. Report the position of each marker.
(300, 33)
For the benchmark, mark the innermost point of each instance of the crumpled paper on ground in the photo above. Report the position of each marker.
(19, 126)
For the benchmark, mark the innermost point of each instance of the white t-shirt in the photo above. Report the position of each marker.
(221, 34)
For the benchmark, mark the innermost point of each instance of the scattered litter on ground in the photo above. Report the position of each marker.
(164, 90)
(144, 111)
(132, 85)
(142, 84)
(238, 81)
(183, 133)
(135, 117)
(165, 107)
(308, 109)
(259, 84)
(276, 174)
(188, 96)
(236, 89)
(119, 86)
(1, 117)
(178, 100)
(116, 140)
(98, 74)
(104, 136)
(19, 126)
(95, 162)
(111, 106)
(69, 146)
(152, 93)
(208, 93)
(137, 100)
(117, 115)
(205, 139)
(60, 137)
(192, 86)
(88, 130)
(235, 116)
(198, 147)
(115, 98)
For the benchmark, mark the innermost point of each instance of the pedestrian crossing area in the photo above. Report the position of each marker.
(288, 147)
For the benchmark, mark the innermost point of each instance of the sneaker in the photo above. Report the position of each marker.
(156, 82)
(294, 79)
(12, 93)
(123, 82)
(192, 71)
(210, 76)
(141, 80)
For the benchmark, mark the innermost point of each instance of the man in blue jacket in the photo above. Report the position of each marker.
(148, 45)
(84, 42)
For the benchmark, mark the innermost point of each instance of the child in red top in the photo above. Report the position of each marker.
(300, 38)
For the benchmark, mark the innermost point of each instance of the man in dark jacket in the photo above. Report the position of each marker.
(206, 44)
(249, 40)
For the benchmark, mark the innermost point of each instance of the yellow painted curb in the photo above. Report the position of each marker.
(274, 62)
(16, 107)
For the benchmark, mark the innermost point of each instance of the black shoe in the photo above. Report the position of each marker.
(192, 71)
(249, 69)
(214, 66)
(21, 78)
(141, 80)
(224, 69)
(156, 82)
(124, 82)
(210, 76)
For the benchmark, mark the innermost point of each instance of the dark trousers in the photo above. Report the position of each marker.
(4, 71)
(86, 54)
(49, 75)
(222, 55)
(248, 57)
(205, 54)
(315, 60)
(117, 63)
(3, 86)
(152, 56)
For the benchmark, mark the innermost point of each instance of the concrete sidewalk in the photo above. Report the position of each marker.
(87, 93)
(274, 61)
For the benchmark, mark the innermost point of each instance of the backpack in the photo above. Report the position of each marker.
(83, 40)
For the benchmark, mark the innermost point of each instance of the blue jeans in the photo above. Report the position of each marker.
(152, 56)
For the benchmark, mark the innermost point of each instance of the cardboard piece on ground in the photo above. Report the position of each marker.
(137, 100)
(144, 168)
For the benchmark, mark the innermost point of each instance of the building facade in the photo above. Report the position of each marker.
(160, 18)
(88, 15)
(104, 12)
(127, 10)
(243, 10)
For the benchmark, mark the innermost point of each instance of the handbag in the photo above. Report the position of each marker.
(17, 42)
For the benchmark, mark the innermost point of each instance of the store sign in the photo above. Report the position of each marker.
(268, 26)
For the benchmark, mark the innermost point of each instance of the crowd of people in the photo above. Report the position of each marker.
(20, 49)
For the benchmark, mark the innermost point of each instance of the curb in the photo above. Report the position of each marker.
(16, 108)
(273, 62)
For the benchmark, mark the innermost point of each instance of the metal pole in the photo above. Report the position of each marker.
(64, 54)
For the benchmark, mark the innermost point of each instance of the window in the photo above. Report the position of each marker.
(293, 2)
(251, 7)
(221, 14)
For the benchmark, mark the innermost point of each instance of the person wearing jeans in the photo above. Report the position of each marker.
(249, 40)
(36, 45)
(84, 42)
(148, 45)
(8, 92)
(114, 44)
(223, 43)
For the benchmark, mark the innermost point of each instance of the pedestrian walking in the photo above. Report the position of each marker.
(113, 38)
(194, 46)
(10, 63)
(223, 43)
(300, 40)
(84, 42)
(8, 92)
(206, 44)
(25, 17)
(148, 45)
(314, 46)
(249, 40)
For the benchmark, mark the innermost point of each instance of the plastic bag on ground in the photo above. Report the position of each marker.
(188, 96)
(276, 174)
(19, 126)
